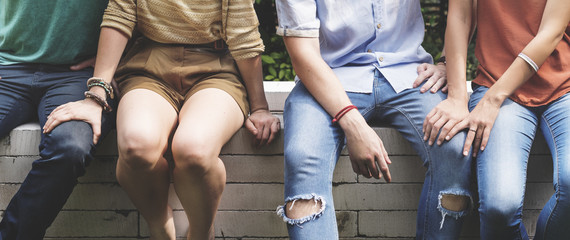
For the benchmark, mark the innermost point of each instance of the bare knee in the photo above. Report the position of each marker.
(194, 156)
(301, 209)
(140, 152)
(455, 203)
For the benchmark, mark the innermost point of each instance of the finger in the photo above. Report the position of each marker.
(363, 170)
(259, 136)
(274, 131)
(435, 129)
(373, 168)
(444, 89)
(485, 140)
(445, 130)
(430, 125)
(250, 127)
(265, 135)
(455, 129)
(382, 164)
(431, 80)
(56, 122)
(421, 75)
(96, 132)
(468, 141)
(426, 120)
(440, 82)
(477, 142)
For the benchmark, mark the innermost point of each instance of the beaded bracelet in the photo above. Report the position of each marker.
(100, 82)
(342, 112)
(529, 61)
(102, 102)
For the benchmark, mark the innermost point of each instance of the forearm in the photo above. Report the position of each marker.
(457, 35)
(111, 46)
(251, 73)
(315, 74)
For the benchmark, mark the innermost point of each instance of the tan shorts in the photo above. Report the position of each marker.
(177, 71)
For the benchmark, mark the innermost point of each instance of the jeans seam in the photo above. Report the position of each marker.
(429, 166)
(555, 157)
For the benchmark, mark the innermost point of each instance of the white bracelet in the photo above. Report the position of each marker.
(529, 61)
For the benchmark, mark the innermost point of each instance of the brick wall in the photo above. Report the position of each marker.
(366, 209)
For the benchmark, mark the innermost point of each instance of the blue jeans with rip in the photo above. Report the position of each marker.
(313, 145)
(29, 92)
(502, 168)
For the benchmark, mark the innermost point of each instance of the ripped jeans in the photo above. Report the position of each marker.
(502, 169)
(313, 146)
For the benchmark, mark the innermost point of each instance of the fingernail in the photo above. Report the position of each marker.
(465, 153)
(430, 142)
(447, 138)
(425, 138)
(482, 148)
(423, 90)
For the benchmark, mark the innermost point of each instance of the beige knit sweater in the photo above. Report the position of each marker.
(190, 22)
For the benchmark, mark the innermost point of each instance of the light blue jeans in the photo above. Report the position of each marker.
(501, 169)
(313, 145)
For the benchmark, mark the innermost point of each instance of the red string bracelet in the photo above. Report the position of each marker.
(341, 113)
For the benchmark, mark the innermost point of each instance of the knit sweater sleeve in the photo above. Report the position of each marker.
(121, 15)
(241, 29)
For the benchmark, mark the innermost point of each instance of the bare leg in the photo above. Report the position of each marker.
(145, 121)
(207, 121)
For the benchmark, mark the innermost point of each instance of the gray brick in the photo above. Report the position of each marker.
(94, 224)
(387, 223)
(15, 169)
(7, 191)
(376, 196)
(22, 141)
(250, 168)
(404, 169)
(241, 143)
(100, 170)
(109, 196)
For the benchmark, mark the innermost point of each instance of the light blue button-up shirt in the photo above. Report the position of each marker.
(359, 36)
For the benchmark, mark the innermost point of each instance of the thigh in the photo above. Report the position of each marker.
(501, 167)
(59, 86)
(144, 118)
(16, 101)
(555, 125)
(312, 144)
(207, 120)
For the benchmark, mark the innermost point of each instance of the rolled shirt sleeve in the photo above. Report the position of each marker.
(241, 29)
(297, 18)
(121, 15)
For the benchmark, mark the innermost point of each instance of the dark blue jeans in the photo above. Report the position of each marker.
(29, 92)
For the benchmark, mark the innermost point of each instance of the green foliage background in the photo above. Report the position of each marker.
(276, 62)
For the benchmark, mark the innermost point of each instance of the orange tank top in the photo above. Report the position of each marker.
(504, 28)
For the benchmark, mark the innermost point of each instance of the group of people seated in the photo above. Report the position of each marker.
(178, 78)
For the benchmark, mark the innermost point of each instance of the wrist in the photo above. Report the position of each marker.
(351, 120)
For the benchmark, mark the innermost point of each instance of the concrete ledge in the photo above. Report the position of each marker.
(366, 208)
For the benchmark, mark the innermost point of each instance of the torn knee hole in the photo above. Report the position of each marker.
(455, 203)
(301, 208)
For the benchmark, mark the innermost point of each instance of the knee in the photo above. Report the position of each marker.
(301, 209)
(454, 204)
(140, 152)
(70, 144)
(499, 213)
(194, 155)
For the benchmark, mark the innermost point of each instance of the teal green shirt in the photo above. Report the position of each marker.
(49, 31)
